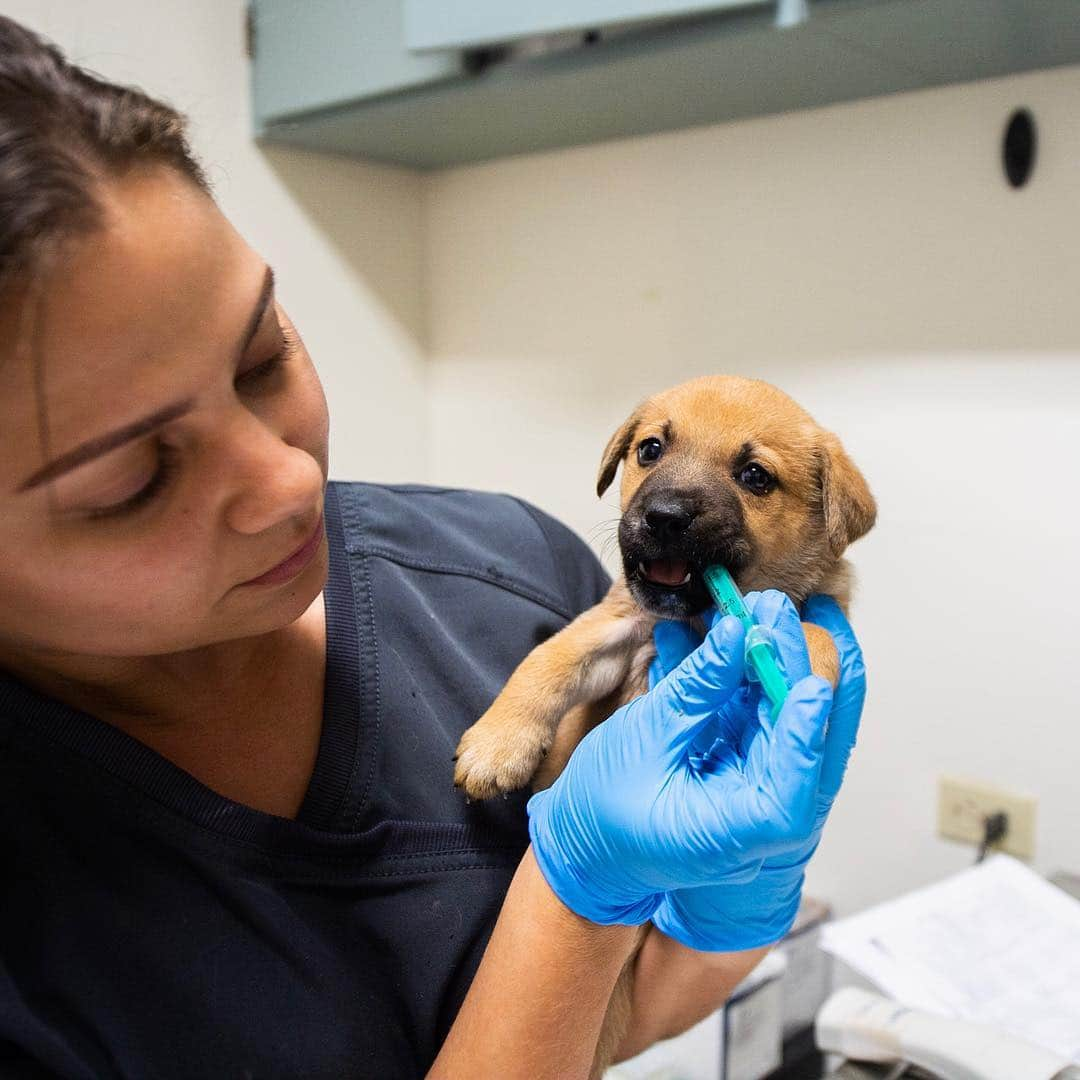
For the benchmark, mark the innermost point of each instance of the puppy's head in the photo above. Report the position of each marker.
(729, 470)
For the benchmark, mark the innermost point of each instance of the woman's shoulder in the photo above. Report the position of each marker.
(496, 536)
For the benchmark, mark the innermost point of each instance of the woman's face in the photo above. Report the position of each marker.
(145, 549)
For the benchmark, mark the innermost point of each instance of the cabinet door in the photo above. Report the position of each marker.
(322, 53)
(442, 24)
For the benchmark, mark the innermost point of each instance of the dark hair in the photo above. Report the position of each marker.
(63, 131)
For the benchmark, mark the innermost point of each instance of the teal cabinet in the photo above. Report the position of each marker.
(319, 54)
(432, 83)
(439, 24)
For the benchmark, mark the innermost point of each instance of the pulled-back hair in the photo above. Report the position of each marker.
(63, 131)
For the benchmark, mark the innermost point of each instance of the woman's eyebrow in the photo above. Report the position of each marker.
(104, 443)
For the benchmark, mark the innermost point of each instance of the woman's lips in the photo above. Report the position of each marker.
(296, 562)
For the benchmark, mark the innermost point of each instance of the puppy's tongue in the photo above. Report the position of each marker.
(667, 571)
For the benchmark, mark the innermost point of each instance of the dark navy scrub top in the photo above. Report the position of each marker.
(151, 928)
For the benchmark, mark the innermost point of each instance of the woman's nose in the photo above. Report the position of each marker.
(268, 480)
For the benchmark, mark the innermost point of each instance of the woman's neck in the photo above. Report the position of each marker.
(210, 685)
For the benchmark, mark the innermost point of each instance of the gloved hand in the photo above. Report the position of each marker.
(730, 917)
(630, 818)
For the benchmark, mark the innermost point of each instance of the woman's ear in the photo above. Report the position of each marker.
(615, 451)
(850, 509)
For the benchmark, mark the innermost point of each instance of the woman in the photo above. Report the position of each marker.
(230, 690)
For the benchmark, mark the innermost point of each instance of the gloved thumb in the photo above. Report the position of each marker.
(674, 641)
(691, 694)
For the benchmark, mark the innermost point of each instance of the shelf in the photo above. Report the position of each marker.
(701, 70)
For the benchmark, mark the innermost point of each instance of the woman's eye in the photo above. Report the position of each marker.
(649, 450)
(756, 479)
(269, 367)
(167, 462)
(263, 370)
(167, 465)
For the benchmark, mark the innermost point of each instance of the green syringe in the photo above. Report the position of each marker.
(760, 654)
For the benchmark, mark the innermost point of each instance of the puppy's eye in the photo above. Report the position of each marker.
(756, 479)
(649, 450)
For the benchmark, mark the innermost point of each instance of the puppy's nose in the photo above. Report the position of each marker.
(668, 517)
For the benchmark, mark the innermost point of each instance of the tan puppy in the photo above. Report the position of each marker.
(717, 470)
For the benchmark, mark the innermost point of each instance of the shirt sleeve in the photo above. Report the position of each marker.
(582, 578)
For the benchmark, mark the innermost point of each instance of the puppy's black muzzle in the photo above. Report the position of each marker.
(667, 517)
(668, 536)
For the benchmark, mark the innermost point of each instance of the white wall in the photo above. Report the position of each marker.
(869, 259)
(345, 238)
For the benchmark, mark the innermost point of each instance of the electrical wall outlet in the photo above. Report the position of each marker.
(963, 804)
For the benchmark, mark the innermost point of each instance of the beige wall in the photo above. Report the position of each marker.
(345, 238)
(871, 260)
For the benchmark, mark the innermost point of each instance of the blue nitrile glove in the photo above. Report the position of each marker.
(674, 642)
(731, 917)
(630, 818)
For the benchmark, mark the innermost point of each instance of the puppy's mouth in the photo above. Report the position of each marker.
(669, 586)
(670, 573)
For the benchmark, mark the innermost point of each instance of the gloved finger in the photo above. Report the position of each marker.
(674, 642)
(721, 736)
(703, 743)
(687, 698)
(848, 697)
(741, 876)
(740, 711)
(713, 615)
(782, 782)
(825, 612)
(723, 752)
(776, 613)
(656, 671)
(779, 616)
(709, 617)
(749, 737)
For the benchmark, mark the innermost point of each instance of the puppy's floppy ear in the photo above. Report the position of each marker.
(849, 507)
(615, 451)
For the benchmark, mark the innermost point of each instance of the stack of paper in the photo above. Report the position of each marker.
(996, 944)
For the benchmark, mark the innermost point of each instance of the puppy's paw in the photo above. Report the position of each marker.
(499, 753)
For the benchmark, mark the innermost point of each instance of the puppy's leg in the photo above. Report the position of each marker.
(573, 727)
(824, 659)
(582, 718)
(583, 662)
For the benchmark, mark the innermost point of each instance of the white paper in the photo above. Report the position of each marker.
(996, 944)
